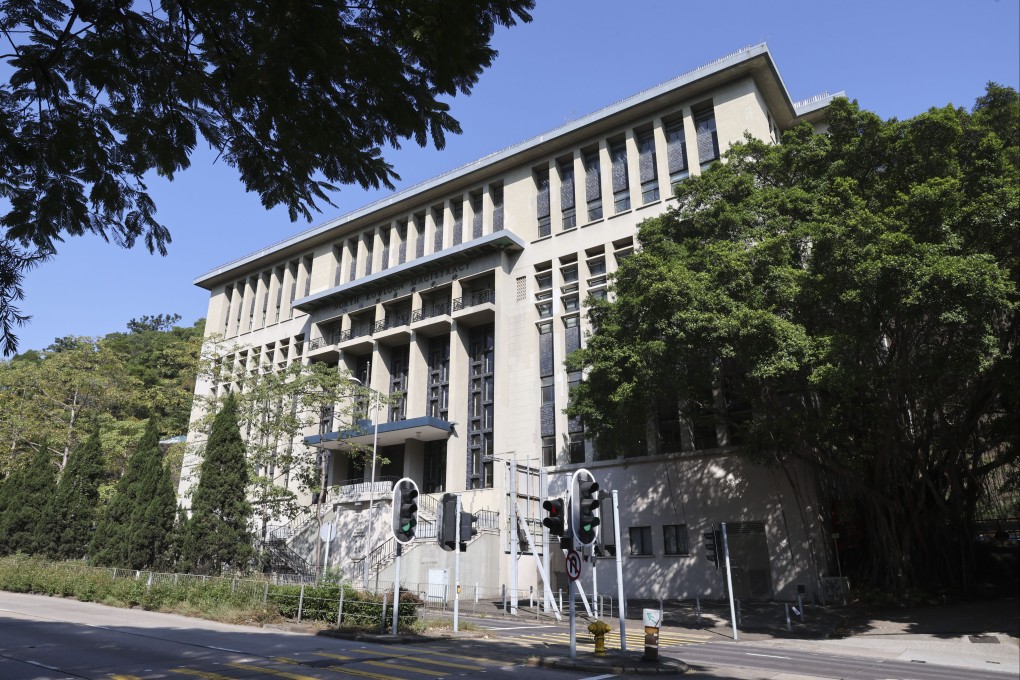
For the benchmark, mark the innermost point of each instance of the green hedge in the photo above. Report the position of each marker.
(21, 574)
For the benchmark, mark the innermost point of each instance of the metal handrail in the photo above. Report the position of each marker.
(433, 310)
(479, 297)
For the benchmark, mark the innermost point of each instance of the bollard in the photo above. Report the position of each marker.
(800, 607)
(340, 609)
(652, 619)
(697, 610)
(382, 626)
(148, 583)
(531, 596)
(301, 603)
(265, 595)
(503, 588)
(738, 613)
(561, 599)
(788, 625)
(598, 629)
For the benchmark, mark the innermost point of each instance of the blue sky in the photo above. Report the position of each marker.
(897, 58)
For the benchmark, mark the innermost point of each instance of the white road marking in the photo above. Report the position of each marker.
(514, 627)
(771, 656)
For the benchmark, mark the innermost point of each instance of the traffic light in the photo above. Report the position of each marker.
(587, 503)
(467, 529)
(556, 521)
(711, 546)
(605, 546)
(446, 522)
(405, 510)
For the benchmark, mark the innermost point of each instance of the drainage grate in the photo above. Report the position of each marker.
(988, 639)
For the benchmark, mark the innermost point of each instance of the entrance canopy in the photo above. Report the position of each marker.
(425, 428)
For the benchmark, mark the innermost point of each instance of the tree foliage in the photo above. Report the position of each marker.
(217, 536)
(70, 516)
(298, 97)
(859, 290)
(25, 493)
(136, 525)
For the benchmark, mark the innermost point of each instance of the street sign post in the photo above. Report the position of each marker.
(574, 565)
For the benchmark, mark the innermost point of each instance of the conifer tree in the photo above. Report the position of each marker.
(140, 514)
(28, 486)
(218, 534)
(71, 514)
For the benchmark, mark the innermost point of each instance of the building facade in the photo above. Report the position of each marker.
(460, 298)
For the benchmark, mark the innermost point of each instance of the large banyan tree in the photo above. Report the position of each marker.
(856, 293)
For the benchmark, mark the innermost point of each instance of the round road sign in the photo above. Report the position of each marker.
(573, 565)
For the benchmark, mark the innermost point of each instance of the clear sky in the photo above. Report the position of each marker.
(896, 57)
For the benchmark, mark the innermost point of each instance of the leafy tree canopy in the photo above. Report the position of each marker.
(298, 97)
(856, 294)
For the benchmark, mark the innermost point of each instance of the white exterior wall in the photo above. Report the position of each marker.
(693, 489)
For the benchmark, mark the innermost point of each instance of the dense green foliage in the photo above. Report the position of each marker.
(217, 535)
(25, 494)
(224, 599)
(135, 528)
(298, 97)
(115, 383)
(846, 301)
(70, 517)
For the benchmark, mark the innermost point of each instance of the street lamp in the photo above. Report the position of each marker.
(371, 488)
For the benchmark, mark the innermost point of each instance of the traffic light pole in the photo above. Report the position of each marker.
(396, 590)
(456, 571)
(619, 571)
(573, 619)
(729, 580)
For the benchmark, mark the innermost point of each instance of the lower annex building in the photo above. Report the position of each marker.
(462, 296)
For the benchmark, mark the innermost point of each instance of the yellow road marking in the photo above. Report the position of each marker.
(124, 677)
(436, 662)
(398, 667)
(363, 674)
(201, 674)
(454, 656)
(335, 656)
(271, 671)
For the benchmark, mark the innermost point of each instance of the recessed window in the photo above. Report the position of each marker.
(647, 167)
(621, 187)
(674, 539)
(593, 184)
(571, 303)
(708, 139)
(640, 540)
(544, 310)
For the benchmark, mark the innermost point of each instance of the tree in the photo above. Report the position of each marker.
(69, 519)
(217, 535)
(134, 529)
(27, 490)
(846, 301)
(298, 97)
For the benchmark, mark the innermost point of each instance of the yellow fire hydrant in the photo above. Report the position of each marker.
(599, 630)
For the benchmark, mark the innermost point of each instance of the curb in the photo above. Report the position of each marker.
(617, 665)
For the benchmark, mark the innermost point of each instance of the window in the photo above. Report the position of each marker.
(352, 246)
(621, 188)
(640, 540)
(543, 280)
(279, 291)
(308, 274)
(597, 266)
(496, 191)
(437, 217)
(476, 214)
(548, 391)
(542, 187)
(593, 184)
(647, 167)
(338, 258)
(674, 539)
(457, 209)
(544, 310)
(548, 451)
(571, 303)
(481, 414)
(569, 273)
(708, 140)
(566, 168)
(438, 395)
(402, 248)
(369, 248)
(577, 447)
(384, 236)
(676, 151)
(419, 235)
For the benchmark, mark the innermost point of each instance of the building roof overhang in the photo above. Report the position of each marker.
(436, 262)
(424, 428)
(754, 61)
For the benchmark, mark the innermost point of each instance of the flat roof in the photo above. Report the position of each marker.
(730, 61)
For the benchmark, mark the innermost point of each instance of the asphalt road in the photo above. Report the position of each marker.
(56, 639)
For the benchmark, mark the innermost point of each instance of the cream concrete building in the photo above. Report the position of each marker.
(465, 293)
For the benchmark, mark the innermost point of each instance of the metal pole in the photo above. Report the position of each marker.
(512, 491)
(543, 488)
(371, 488)
(396, 590)
(729, 580)
(619, 571)
(456, 571)
(573, 621)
